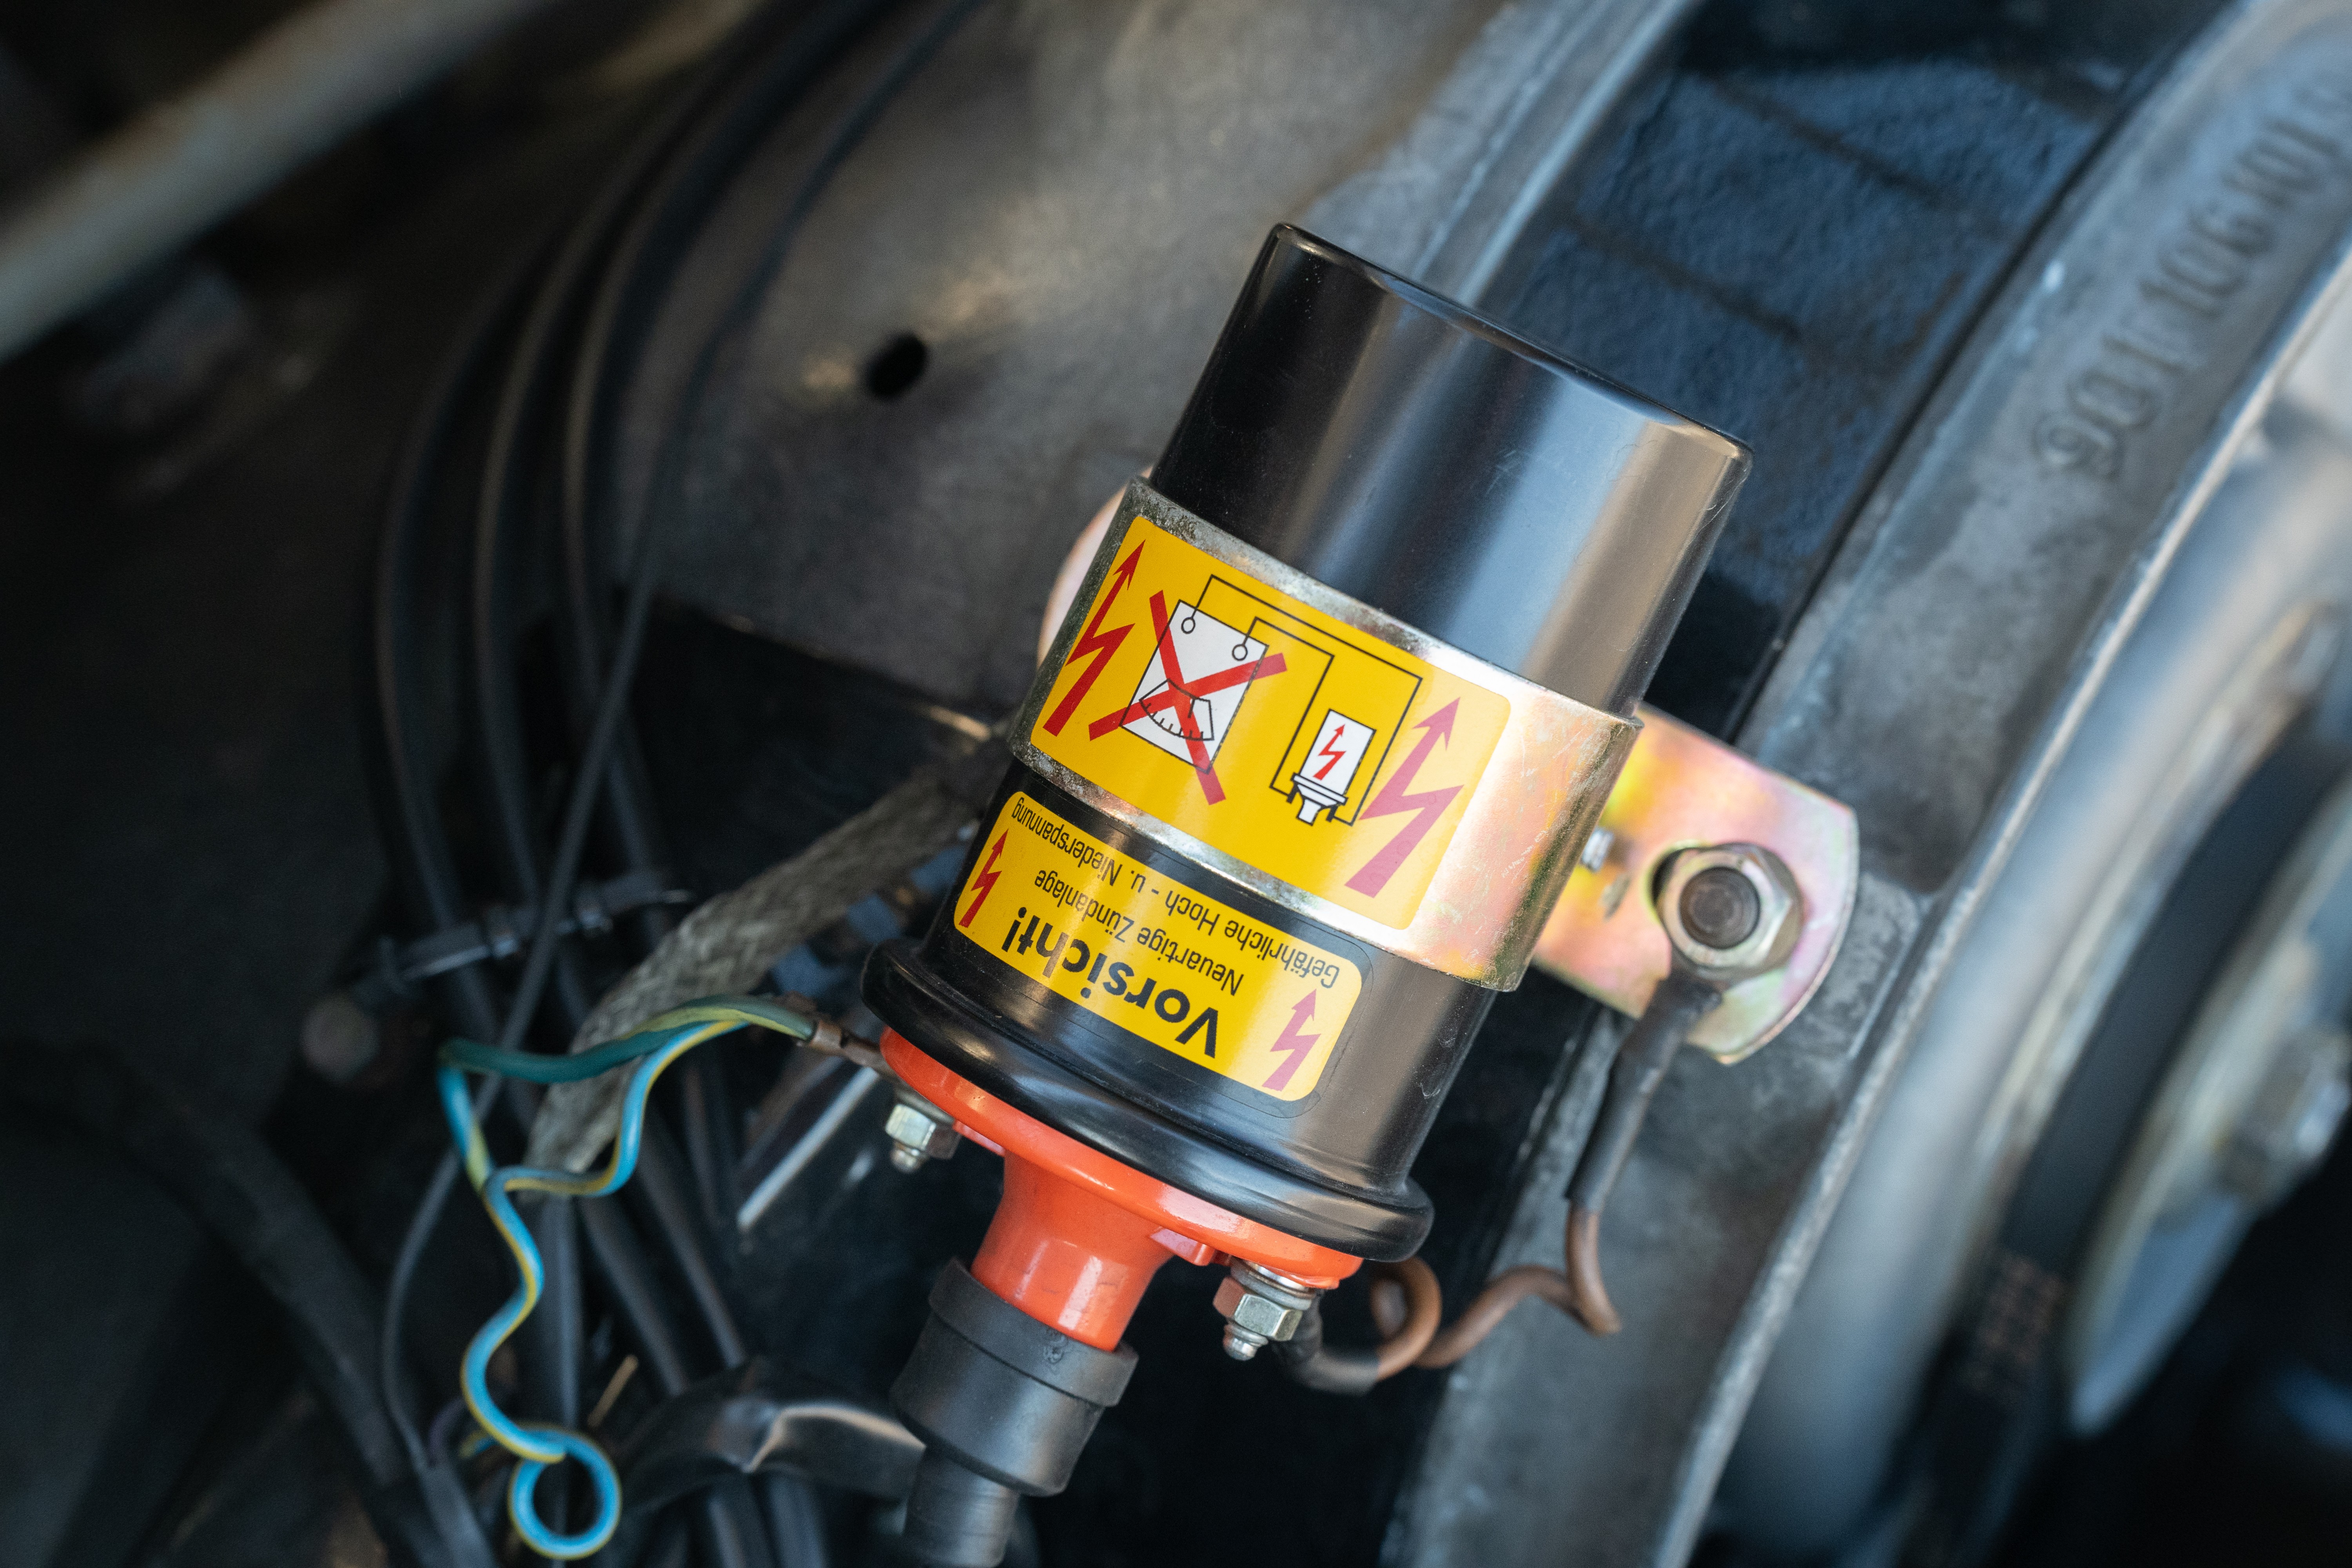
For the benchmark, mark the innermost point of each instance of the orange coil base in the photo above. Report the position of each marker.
(1078, 1235)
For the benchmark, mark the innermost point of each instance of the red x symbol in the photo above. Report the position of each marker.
(1179, 695)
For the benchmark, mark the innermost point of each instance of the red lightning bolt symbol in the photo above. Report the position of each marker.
(1331, 750)
(1295, 1041)
(984, 882)
(1396, 798)
(1096, 642)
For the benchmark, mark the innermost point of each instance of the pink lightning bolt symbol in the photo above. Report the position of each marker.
(1297, 1042)
(1398, 796)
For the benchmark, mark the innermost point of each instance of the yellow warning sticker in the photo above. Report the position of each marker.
(1297, 744)
(1160, 959)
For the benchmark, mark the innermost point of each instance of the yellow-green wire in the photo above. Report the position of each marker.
(653, 1049)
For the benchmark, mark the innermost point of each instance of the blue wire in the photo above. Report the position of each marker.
(537, 1445)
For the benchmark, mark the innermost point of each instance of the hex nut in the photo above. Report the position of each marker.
(918, 1134)
(1261, 1315)
(1780, 910)
(1260, 1308)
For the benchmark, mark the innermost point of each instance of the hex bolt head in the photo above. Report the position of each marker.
(1260, 1308)
(1721, 907)
(919, 1133)
(1732, 911)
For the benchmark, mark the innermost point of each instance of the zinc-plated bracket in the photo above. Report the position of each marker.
(1683, 790)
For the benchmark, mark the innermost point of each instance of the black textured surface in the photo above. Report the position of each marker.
(1787, 236)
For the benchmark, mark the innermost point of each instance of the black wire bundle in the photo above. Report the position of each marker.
(480, 527)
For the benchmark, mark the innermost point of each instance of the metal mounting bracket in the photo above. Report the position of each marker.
(1683, 790)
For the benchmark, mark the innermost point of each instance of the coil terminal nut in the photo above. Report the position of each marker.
(920, 1131)
(1731, 911)
(1260, 1308)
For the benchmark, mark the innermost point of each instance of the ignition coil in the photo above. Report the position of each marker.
(1346, 687)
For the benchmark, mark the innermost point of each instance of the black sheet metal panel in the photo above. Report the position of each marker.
(1966, 635)
(1056, 203)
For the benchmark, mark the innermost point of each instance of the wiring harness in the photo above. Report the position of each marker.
(513, 497)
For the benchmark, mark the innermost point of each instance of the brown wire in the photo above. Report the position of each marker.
(1424, 1305)
(1593, 1309)
(1387, 1306)
(1578, 1293)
